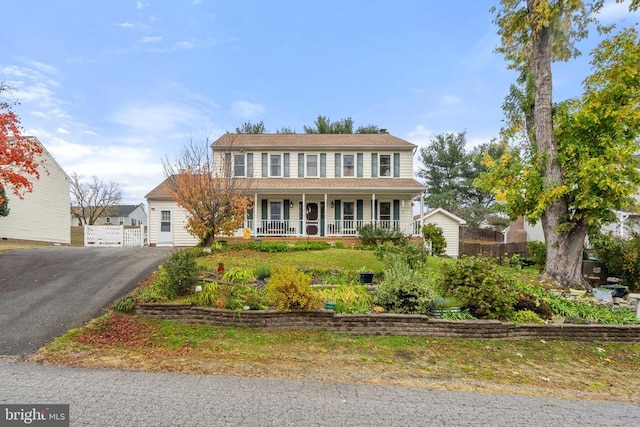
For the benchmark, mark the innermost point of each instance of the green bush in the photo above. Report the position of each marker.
(160, 291)
(349, 299)
(434, 236)
(238, 275)
(489, 292)
(621, 257)
(290, 289)
(525, 316)
(405, 290)
(181, 269)
(413, 254)
(125, 305)
(263, 270)
(275, 247)
(538, 252)
(371, 235)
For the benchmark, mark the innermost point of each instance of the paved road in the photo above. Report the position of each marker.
(45, 292)
(109, 397)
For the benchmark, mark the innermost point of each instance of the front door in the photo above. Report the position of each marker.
(313, 224)
(165, 233)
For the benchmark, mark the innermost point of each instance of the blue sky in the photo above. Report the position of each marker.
(112, 87)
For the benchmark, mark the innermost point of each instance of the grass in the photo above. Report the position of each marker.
(554, 368)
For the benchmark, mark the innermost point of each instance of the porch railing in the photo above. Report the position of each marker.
(347, 227)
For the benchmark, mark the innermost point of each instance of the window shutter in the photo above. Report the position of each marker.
(323, 165)
(285, 166)
(300, 165)
(338, 173)
(285, 213)
(396, 165)
(396, 210)
(265, 209)
(359, 210)
(338, 212)
(265, 165)
(360, 165)
(250, 165)
(374, 165)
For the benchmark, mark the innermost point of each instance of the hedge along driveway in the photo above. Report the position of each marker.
(46, 291)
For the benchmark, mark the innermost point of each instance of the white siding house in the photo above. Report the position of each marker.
(43, 214)
(306, 185)
(133, 215)
(450, 225)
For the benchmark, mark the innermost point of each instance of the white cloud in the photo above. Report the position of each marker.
(63, 131)
(125, 25)
(140, 5)
(450, 100)
(150, 39)
(246, 109)
(159, 119)
(421, 135)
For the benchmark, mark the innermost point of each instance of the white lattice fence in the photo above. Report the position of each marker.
(103, 235)
(133, 237)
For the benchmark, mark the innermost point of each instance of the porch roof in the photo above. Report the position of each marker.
(313, 185)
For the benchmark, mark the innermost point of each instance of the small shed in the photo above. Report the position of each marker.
(450, 225)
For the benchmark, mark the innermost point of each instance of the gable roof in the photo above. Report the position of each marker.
(311, 141)
(118, 210)
(445, 212)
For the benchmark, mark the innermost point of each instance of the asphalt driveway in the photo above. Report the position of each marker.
(45, 292)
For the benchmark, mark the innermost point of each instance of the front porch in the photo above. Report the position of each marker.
(324, 228)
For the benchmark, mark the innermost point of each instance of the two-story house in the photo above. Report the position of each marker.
(306, 185)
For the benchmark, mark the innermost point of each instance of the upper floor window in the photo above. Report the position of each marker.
(385, 165)
(312, 165)
(348, 165)
(275, 165)
(238, 165)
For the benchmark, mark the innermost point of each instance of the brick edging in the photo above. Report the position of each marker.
(389, 324)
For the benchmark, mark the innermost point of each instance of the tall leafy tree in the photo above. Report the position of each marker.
(248, 127)
(93, 198)
(537, 177)
(324, 125)
(215, 201)
(19, 155)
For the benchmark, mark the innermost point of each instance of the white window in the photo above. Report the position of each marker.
(385, 211)
(348, 165)
(108, 220)
(238, 165)
(120, 221)
(312, 165)
(165, 220)
(275, 163)
(385, 165)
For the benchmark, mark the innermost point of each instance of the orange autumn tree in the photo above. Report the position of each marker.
(216, 202)
(19, 155)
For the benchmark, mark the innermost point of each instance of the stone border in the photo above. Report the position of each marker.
(390, 324)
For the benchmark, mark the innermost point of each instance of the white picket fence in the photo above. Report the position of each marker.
(113, 236)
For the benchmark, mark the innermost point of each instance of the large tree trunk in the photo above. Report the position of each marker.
(564, 249)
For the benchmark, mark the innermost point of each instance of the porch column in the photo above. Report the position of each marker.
(254, 227)
(304, 214)
(326, 218)
(373, 208)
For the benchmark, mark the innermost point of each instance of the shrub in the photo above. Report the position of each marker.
(371, 235)
(489, 293)
(290, 289)
(538, 252)
(180, 270)
(160, 291)
(525, 316)
(434, 237)
(621, 257)
(531, 303)
(263, 270)
(349, 299)
(125, 305)
(408, 252)
(238, 275)
(405, 290)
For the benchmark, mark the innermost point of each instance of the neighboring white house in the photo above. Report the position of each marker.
(521, 230)
(43, 214)
(119, 215)
(450, 225)
(317, 185)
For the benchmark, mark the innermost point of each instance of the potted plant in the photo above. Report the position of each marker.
(366, 276)
(441, 305)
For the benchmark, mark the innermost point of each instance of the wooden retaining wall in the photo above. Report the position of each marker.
(389, 324)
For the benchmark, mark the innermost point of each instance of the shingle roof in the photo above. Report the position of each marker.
(315, 185)
(303, 140)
